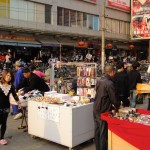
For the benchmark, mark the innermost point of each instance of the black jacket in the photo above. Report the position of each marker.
(134, 78)
(105, 96)
(121, 82)
(34, 82)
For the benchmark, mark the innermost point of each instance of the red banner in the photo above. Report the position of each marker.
(140, 19)
(120, 4)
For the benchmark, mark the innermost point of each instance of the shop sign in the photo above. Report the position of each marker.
(119, 4)
(140, 19)
(16, 37)
(48, 112)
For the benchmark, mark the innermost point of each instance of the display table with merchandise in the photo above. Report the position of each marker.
(126, 135)
(65, 125)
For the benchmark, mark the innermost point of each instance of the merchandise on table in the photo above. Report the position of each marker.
(130, 114)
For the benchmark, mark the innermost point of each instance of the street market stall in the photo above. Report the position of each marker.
(128, 135)
(66, 125)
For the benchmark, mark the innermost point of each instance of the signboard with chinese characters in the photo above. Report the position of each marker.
(140, 19)
(119, 4)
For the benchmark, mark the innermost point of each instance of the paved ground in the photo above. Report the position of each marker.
(19, 140)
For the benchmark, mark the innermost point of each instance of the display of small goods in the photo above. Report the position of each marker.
(86, 71)
(73, 101)
(130, 114)
(86, 80)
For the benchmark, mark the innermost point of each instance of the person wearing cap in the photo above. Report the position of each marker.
(18, 79)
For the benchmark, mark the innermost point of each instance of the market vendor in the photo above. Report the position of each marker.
(105, 100)
(33, 82)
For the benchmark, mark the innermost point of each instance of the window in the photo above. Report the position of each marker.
(47, 14)
(66, 17)
(40, 12)
(80, 19)
(122, 27)
(4, 13)
(73, 18)
(113, 26)
(22, 10)
(108, 25)
(95, 23)
(84, 20)
(90, 21)
(117, 26)
(31, 11)
(14, 12)
(59, 16)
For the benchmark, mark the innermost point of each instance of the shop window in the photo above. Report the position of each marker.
(22, 10)
(95, 23)
(66, 17)
(80, 19)
(40, 12)
(59, 16)
(73, 18)
(4, 11)
(31, 11)
(47, 14)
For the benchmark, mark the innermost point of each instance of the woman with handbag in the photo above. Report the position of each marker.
(6, 88)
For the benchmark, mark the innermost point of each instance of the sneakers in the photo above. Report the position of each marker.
(3, 142)
(18, 116)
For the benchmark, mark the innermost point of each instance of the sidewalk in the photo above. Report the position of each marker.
(19, 140)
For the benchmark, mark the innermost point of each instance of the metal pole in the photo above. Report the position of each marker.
(103, 36)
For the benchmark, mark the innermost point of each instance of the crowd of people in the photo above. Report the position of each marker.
(117, 87)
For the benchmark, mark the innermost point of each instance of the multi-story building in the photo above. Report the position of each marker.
(55, 23)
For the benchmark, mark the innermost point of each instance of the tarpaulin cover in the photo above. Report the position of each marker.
(136, 134)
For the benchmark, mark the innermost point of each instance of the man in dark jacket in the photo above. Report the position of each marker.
(134, 78)
(121, 82)
(105, 100)
(33, 82)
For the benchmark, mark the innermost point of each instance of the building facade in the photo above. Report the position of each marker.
(35, 23)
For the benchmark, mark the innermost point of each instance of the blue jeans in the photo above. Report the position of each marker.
(133, 98)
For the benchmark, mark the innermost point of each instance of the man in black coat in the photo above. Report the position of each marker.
(32, 82)
(105, 100)
(121, 82)
(134, 78)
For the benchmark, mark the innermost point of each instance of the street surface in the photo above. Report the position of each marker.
(19, 140)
